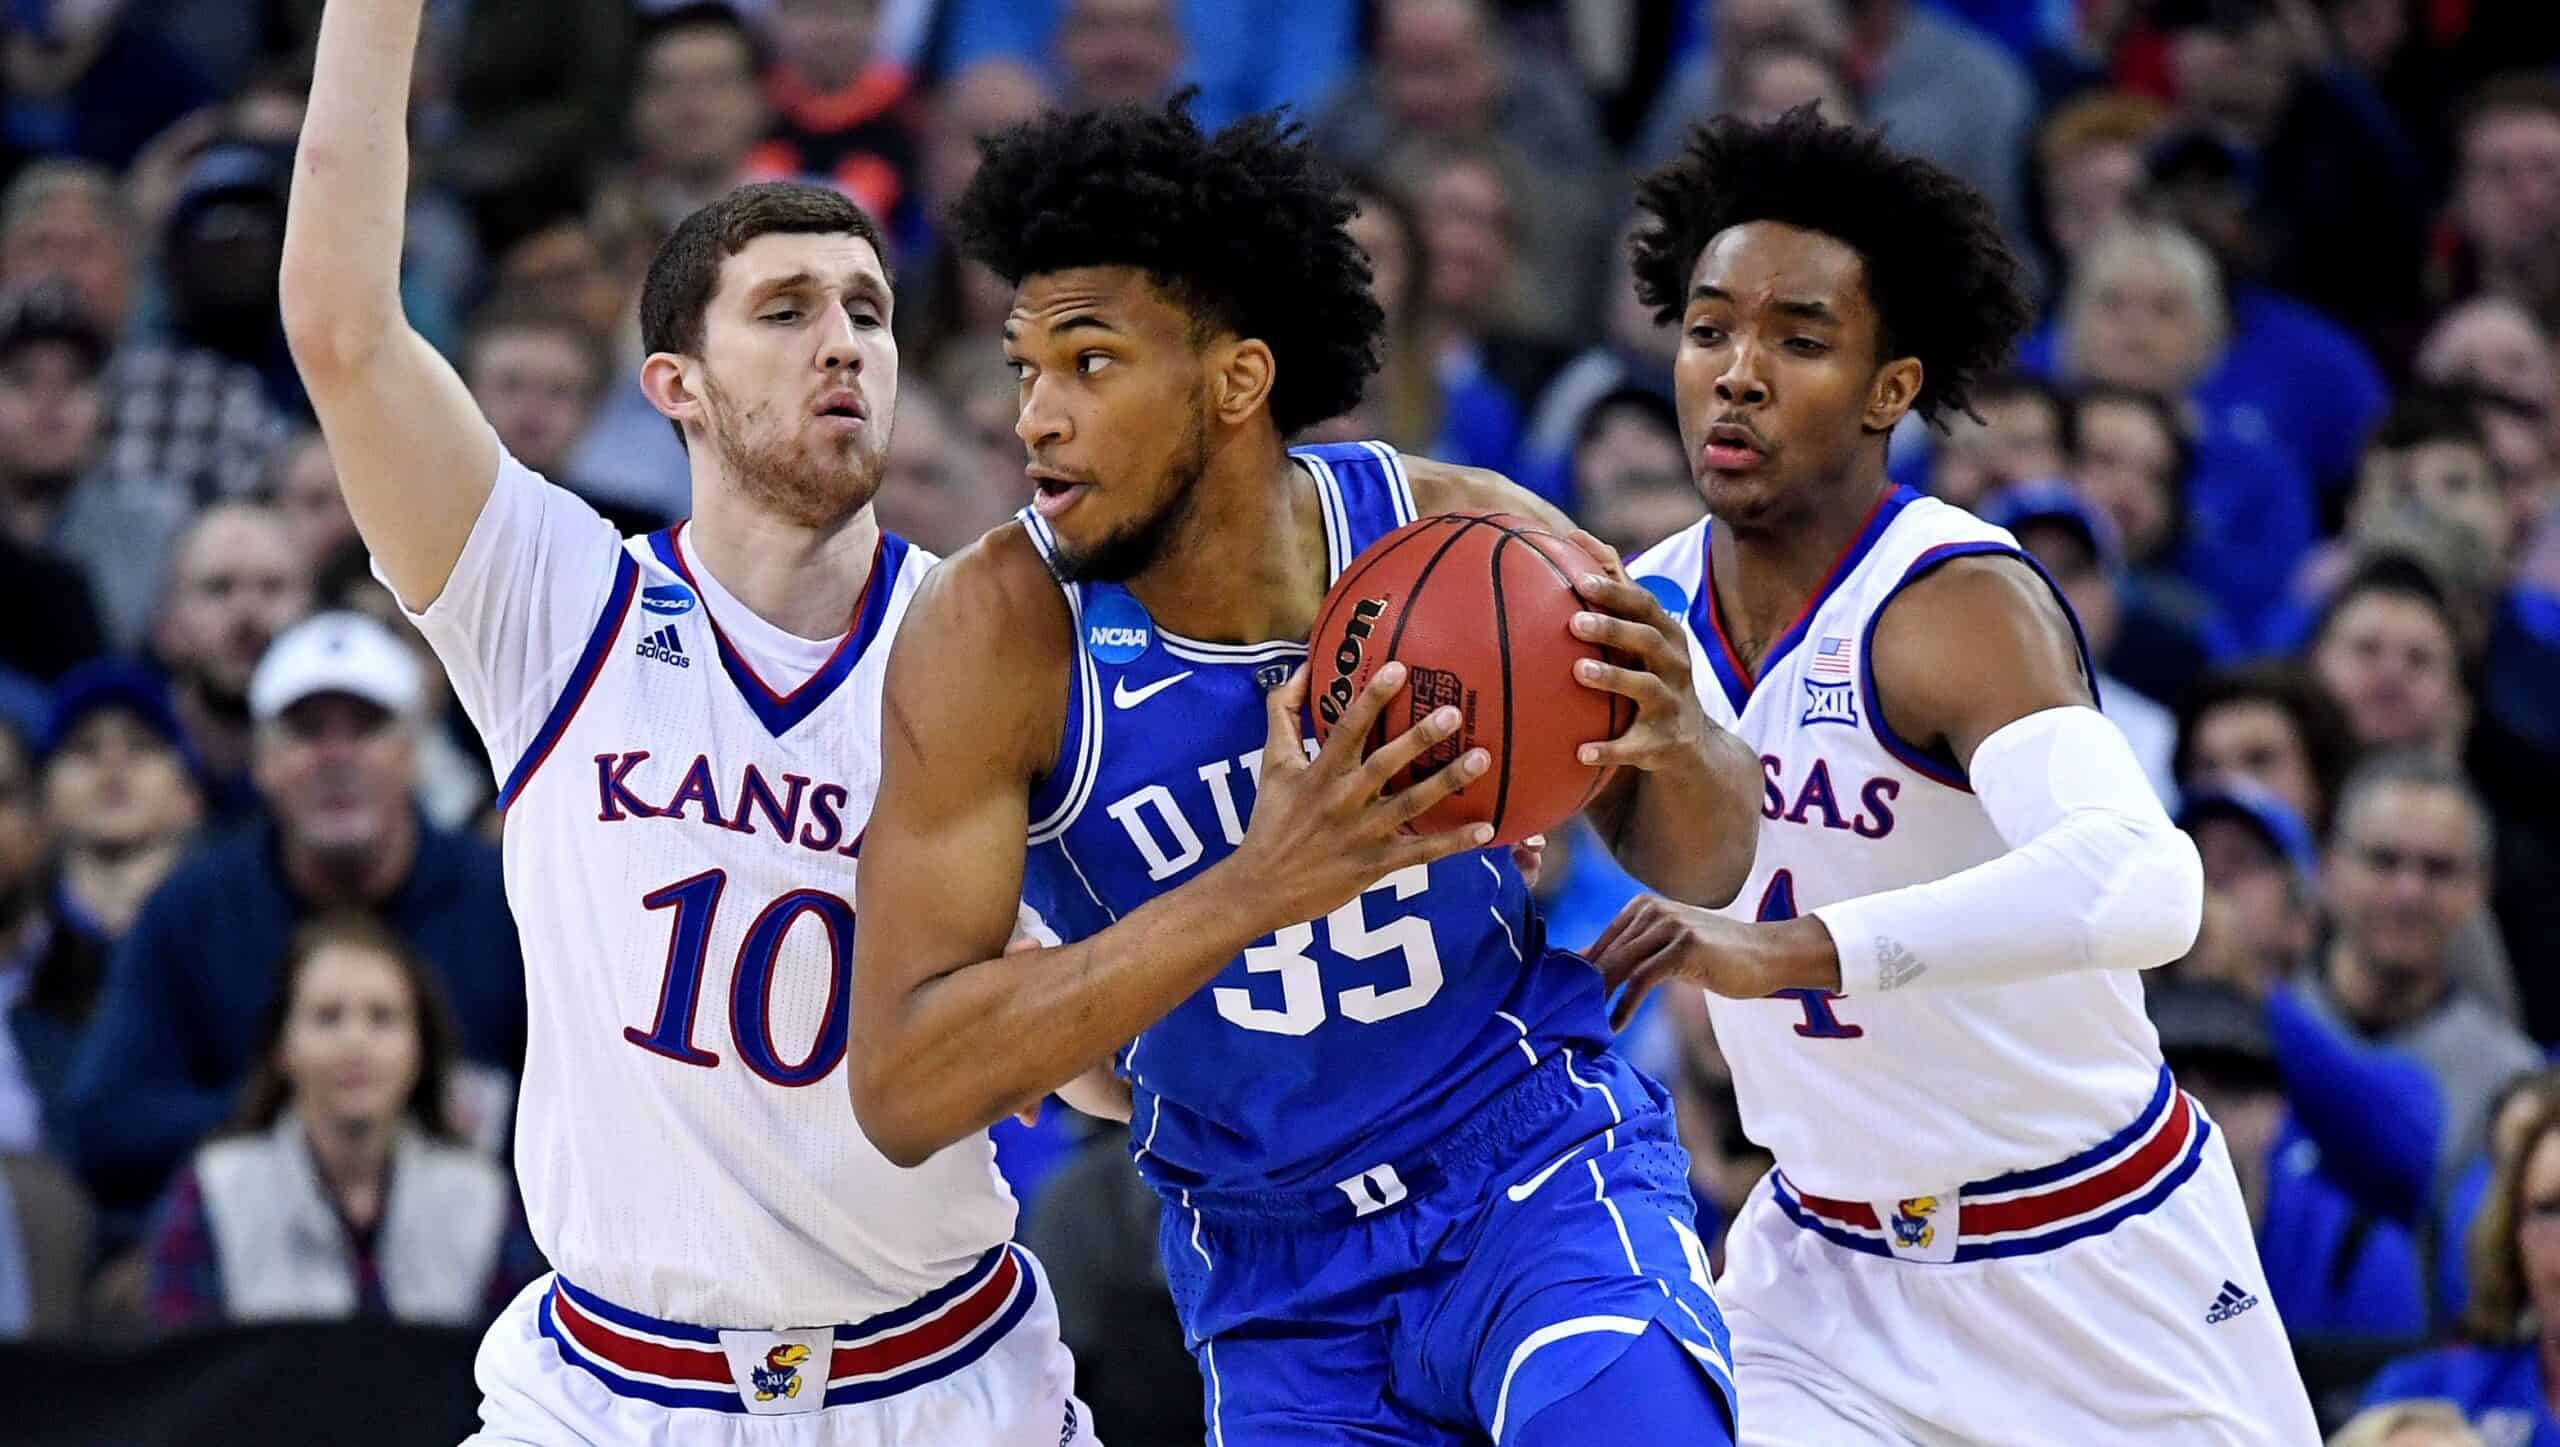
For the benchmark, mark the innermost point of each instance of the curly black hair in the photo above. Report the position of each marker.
(1943, 279)
(1244, 229)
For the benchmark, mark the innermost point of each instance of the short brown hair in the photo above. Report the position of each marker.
(686, 271)
(267, 1092)
(2529, 91)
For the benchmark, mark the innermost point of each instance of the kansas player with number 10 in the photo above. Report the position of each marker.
(1994, 1218)
(1410, 1194)
(685, 728)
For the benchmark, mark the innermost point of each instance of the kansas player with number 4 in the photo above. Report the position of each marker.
(685, 728)
(1410, 1194)
(1994, 1218)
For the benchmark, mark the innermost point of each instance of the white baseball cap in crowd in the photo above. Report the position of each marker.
(342, 652)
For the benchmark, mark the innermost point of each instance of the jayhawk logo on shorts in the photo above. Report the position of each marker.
(1911, 1226)
(780, 1374)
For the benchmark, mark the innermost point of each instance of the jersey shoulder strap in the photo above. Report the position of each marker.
(1365, 493)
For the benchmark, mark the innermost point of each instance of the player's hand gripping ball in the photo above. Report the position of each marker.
(1479, 607)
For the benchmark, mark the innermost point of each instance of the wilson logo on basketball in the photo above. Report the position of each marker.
(1346, 658)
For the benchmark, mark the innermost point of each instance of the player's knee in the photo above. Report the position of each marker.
(1654, 1392)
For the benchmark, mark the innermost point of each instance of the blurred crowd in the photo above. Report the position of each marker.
(2288, 437)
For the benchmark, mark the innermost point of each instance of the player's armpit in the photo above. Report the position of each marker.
(1970, 647)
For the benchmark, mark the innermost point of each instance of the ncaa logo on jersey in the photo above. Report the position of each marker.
(667, 600)
(1117, 630)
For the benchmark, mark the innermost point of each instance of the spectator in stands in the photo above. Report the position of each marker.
(1445, 78)
(197, 404)
(341, 1188)
(2405, 874)
(234, 584)
(697, 113)
(2493, 343)
(539, 374)
(2336, 1267)
(302, 486)
(844, 113)
(454, 787)
(2505, 205)
(2089, 169)
(2494, 347)
(2076, 547)
(1634, 350)
(2270, 726)
(932, 495)
(2017, 439)
(2512, 1112)
(1116, 52)
(2288, 373)
(968, 105)
(2145, 311)
(2426, 465)
(1467, 300)
(2389, 648)
(336, 700)
(1631, 481)
(2431, 1423)
(82, 82)
(1775, 79)
(26, 941)
(2334, 172)
(58, 496)
(1939, 87)
(2126, 452)
(65, 221)
(2501, 1373)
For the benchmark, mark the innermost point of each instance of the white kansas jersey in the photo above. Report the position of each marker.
(681, 839)
(1860, 1096)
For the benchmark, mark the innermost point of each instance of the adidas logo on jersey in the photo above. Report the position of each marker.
(2229, 1304)
(664, 646)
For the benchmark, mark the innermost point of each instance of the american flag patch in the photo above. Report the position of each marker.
(1830, 659)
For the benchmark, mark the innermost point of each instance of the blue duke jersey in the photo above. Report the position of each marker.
(1330, 1046)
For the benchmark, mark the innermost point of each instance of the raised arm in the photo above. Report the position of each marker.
(413, 453)
(1682, 812)
(950, 1032)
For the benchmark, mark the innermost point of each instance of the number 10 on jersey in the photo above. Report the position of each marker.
(696, 902)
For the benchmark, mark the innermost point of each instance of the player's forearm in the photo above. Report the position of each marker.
(972, 1045)
(1691, 833)
(340, 283)
(2097, 892)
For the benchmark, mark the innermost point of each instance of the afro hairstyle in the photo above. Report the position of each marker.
(1244, 229)
(1943, 280)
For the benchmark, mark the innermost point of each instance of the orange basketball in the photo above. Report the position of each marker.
(1479, 608)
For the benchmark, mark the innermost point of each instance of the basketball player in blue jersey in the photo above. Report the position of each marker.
(1994, 1218)
(1411, 1196)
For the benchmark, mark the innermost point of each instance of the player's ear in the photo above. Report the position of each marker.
(1896, 387)
(667, 381)
(1242, 380)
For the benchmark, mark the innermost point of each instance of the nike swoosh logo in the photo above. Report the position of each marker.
(1123, 696)
(1529, 1187)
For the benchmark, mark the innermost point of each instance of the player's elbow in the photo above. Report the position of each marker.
(2154, 907)
(889, 1109)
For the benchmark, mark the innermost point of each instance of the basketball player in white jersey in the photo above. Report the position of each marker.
(685, 728)
(1994, 1218)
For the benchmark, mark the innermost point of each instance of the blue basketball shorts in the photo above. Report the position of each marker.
(1451, 1298)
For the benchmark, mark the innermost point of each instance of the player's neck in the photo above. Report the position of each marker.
(1765, 575)
(801, 580)
(1247, 564)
